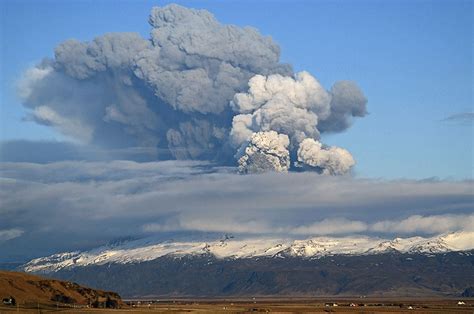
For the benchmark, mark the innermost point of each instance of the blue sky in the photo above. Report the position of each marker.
(412, 59)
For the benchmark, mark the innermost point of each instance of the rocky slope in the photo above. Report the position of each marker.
(209, 266)
(389, 274)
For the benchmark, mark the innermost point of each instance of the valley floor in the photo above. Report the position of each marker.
(271, 305)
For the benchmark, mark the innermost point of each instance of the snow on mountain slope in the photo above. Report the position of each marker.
(459, 241)
(230, 247)
(322, 246)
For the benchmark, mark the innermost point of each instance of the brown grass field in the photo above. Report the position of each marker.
(382, 305)
(35, 294)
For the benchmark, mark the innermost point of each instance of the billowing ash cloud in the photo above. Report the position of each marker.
(296, 106)
(196, 89)
(284, 104)
(266, 151)
(329, 160)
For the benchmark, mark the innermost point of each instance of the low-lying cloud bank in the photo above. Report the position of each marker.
(47, 151)
(415, 224)
(78, 204)
(195, 90)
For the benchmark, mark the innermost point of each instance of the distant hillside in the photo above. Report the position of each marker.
(230, 247)
(389, 274)
(210, 266)
(29, 290)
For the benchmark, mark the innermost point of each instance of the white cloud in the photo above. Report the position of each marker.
(332, 226)
(426, 224)
(205, 224)
(8, 234)
(416, 224)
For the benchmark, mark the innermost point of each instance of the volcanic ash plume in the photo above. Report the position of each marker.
(328, 160)
(296, 106)
(197, 89)
(266, 151)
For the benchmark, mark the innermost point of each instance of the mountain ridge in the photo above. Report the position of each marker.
(232, 247)
(194, 276)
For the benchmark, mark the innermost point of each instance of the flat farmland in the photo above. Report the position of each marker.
(334, 305)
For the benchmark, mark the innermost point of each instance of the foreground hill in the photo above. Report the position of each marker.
(30, 290)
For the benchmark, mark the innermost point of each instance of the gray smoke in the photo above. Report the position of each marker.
(265, 151)
(297, 106)
(196, 89)
(347, 101)
(328, 160)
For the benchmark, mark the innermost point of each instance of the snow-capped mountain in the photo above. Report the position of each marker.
(147, 249)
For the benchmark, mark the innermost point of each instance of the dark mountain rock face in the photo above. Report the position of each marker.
(389, 274)
(468, 292)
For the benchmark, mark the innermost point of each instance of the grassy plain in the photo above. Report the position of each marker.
(294, 305)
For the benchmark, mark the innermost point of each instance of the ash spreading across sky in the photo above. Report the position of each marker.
(196, 89)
